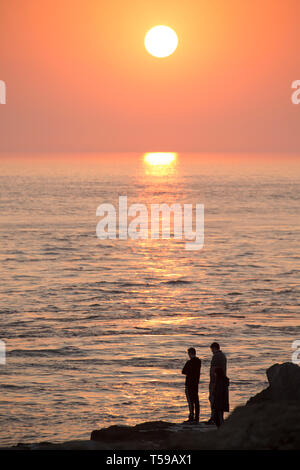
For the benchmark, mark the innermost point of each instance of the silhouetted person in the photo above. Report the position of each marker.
(220, 401)
(218, 360)
(192, 371)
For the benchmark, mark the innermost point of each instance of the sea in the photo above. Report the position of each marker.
(96, 331)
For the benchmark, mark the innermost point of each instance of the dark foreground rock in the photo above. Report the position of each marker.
(284, 384)
(269, 420)
(151, 435)
(155, 431)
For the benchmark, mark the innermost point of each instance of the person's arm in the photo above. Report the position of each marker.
(185, 370)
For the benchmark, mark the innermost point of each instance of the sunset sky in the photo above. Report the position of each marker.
(78, 76)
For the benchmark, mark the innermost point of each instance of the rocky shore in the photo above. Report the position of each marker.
(269, 420)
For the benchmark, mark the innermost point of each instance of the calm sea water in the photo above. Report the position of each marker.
(97, 331)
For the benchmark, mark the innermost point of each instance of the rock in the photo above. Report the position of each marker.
(149, 435)
(284, 380)
(270, 425)
(155, 430)
(284, 384)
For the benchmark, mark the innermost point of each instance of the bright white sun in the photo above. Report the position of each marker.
(161, 41)
(160, 158)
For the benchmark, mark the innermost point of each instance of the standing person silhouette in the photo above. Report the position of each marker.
(220, 401)
(218, 360)
(192, 372)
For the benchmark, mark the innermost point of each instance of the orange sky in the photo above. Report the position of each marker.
(78, 77)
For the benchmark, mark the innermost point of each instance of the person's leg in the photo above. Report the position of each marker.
(197, 405)
(188, 397)
(193, 405)
(221, 414)
(216, 417)
(211, 399)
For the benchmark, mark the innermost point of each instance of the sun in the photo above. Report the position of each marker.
(160, 158)
(161, 41)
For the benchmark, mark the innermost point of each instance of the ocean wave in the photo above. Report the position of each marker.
(7, 311)
(177, 281)
(133, 284)
(13, 387)
(286, 291)
(64, 351)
